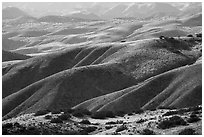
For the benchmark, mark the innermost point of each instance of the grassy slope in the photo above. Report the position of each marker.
(8, 56)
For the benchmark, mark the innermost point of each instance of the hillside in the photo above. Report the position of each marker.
(102, 68)
(8, 56)
(12, 13)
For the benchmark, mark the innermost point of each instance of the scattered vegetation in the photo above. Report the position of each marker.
(121, 128)
(187, 131)
(108, 127)
(56, 120)
(147, 131)
(172, 122)
(193, 118)
(199, 35)
(189, 35)
(89, 129)
(64, 116)
(7, 125)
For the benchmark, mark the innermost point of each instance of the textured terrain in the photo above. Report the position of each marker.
(102, 63)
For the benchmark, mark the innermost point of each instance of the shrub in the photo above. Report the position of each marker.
(4, 131)
(171, 122)
(199, 35)
(147, 132)
(196, 112)
(85, 121)
(102, 115)
(169, 113)
(108, 127)
(89, 129)
(195, 108)
(48, 117)
(193, 118)
(161, 37)
(7, 125)
(16, 124)
(189, 35)
(74, 132)
(41, 112)
(111, 122)
(187, 131)
(64, 116)
(121, 128)
(32, 131)
(56, 120)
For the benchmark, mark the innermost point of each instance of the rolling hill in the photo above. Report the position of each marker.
(112, 68)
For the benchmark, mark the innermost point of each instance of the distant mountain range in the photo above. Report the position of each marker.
(96, 11)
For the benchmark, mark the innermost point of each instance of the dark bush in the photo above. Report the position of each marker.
(196, 112)
(187, 131)
(48, 117)
(89, 129)
(102, 115)
(4, 131)
(199, 35)
(111, 122)
(171, 122)
(16, 124)
(108, 127)
(161, 37)
(147, 132)
(121, 128)
(32, 131)
(7, 125)
(195, 108)
(64, 116)
(56, 120)
(41, 112)
(169, 113)
(85, 121)
(74, 132)
(189, 35)
(193, 118)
